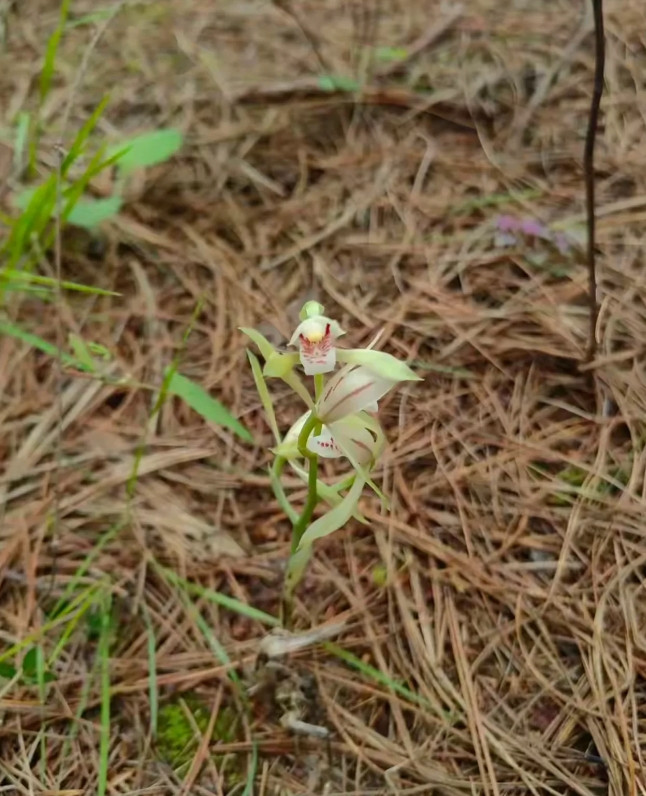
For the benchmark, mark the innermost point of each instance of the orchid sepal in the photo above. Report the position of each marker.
(379, 362)
(271, 355)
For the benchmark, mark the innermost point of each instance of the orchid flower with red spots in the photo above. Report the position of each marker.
(315, 337)
(340, 424)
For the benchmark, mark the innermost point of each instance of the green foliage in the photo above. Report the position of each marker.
(389, 54)
(87, 213)
(338, 83)
(33, 667)
(380, 575)
(105, 633)
(206, 406)
(147, 149)
(32, 671)
(177, 740)
(39, 204)
(52, 49)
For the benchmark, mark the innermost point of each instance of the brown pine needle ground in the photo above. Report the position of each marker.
(497, 615)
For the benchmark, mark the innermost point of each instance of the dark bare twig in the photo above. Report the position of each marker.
(588, 168)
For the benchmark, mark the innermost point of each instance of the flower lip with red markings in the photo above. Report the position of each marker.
(315, 337)
(358, 437)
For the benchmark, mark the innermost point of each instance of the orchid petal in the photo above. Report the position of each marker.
(324, 445)
(314, 327)
(351, 390)
(352, 435)
(349, 452)
(288, 448)
(381, 363)
(335, 518)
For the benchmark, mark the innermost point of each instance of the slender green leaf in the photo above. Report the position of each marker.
(263, 394)
(111, 533)
(89, 19)
(83, 134)
(206, 406)
(389, 54)
(22, 280)
(33, 340)
(153, 691)
(223, 600)
(338, 83)
(67, 611)
(375, 674)
(104, 658)
(51, 52)
(253, 768)
(22, 140)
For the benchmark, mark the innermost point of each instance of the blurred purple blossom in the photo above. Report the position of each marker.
(510, 229)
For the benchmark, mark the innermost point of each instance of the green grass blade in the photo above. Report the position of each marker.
(34, 341)
(43, 630)
(252, 771)
(153, 691)
(104, 663)
(83, 134)
(223, 600)
(87, 562)
(374, 674)
(22, 141)
(22, 280)
(52, 49)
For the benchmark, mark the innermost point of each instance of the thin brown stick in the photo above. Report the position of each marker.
(588, 168)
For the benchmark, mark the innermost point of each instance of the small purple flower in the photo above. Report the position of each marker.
(509, 228)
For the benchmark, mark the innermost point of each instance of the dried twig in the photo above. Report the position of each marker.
(588, 167)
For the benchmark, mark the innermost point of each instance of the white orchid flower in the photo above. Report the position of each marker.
(315, 337)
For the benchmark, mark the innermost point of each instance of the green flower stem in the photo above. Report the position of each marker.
(319, 381)
(312, 426)
(275, 474)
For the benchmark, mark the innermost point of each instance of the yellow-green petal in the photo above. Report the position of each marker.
(278, 365)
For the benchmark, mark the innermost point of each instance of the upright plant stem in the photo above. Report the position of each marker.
(300, 526)
(298, 558)
(312, 426)
(588, 168)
